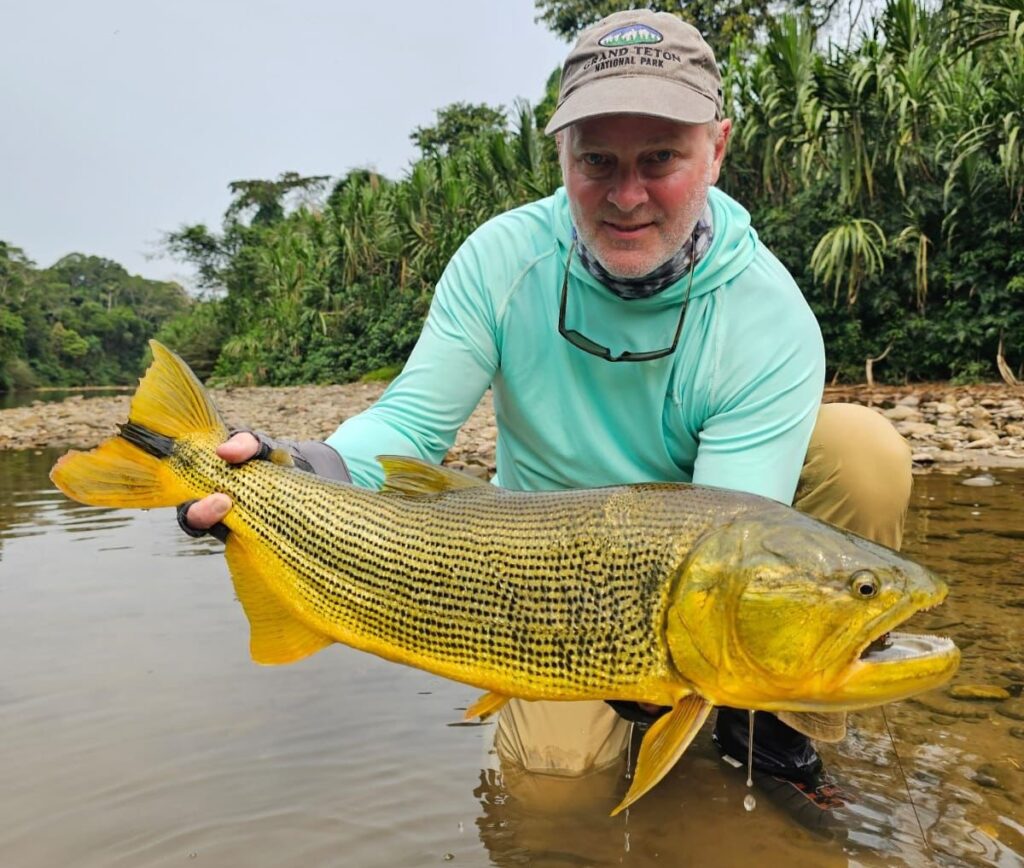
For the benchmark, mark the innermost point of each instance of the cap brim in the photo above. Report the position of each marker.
(633, 95)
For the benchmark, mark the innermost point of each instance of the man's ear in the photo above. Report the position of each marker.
(721, 145)
(562, 147)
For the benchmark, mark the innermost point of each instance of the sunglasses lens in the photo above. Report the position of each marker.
(582, 342)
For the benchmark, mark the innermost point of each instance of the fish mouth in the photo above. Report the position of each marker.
(895, 666)
(900, 647)
(892, 665)
(888, 666)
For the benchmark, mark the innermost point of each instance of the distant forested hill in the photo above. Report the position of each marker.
(83, 321)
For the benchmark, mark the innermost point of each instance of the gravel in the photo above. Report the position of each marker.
(948, 427)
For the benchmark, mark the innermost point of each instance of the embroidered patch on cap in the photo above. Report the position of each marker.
(634, 34)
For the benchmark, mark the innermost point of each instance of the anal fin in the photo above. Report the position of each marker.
(667, 739)
(276, 636)
(485, 706)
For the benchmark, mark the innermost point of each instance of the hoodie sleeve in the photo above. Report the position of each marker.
(448, 371)
(766, 387)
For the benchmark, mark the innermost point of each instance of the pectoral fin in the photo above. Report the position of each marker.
(276, 636)
(666, 740)
(486, 705)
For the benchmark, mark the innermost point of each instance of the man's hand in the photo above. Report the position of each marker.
(205, 513)
(313, 456)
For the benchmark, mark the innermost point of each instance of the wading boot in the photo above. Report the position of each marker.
(786, 769)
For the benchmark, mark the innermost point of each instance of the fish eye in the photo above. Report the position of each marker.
(864, 584)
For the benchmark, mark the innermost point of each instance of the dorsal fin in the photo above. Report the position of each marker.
(415, 477)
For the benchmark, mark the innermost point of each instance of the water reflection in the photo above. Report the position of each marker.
(30, 506)
(136, 731)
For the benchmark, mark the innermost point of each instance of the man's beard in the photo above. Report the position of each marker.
(590, 235)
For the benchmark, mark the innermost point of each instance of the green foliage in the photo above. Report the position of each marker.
(719, 21)
(897, 164)
(83, 321)
(265, 199)
(382, 375)
(457, 124)
(853, 249)
(546, 107)
(334, 290)
(197, 335)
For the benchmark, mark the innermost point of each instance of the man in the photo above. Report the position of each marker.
(633, 328)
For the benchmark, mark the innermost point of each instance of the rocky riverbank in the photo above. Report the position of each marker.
(948, 427)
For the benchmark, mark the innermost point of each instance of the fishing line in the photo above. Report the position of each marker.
(749, 802)
(906, 783)
(629, 751)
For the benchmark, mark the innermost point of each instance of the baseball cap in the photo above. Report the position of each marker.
(642, 63)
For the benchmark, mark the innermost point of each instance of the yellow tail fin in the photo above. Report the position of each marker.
(129, 470)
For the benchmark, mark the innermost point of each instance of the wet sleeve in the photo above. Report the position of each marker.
(447, 373)
(764, 398)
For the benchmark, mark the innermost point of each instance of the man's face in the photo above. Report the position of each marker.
(637, 185)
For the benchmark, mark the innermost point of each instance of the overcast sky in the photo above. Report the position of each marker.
(121, 120)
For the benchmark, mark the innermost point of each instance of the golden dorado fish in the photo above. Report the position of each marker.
(673, 594)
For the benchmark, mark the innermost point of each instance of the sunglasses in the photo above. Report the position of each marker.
(582, 342)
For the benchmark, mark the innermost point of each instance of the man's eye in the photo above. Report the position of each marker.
(594, 159)
(661, 156)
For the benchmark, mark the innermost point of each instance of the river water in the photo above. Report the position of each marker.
(136, 731)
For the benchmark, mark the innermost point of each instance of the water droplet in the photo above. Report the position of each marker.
(749, 802)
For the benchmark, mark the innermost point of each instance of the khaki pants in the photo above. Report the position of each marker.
(856, 475)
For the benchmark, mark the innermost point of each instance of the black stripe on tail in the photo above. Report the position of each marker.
(157, 445)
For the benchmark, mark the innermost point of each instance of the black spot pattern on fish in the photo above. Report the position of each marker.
(545, 595)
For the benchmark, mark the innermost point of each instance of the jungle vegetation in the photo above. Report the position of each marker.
(885, 168)
(82, 321)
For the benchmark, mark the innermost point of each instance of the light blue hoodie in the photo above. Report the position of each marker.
(733, 406)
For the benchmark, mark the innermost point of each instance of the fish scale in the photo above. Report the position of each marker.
(437, 575)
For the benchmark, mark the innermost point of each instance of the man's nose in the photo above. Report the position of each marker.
(628, 189)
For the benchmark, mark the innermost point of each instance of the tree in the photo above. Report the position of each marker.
(457, 124)
(83, 320)
(221, 259)
(719, 21)
(14, 266)
(549, 102)
(12, 335)
(267, 197)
